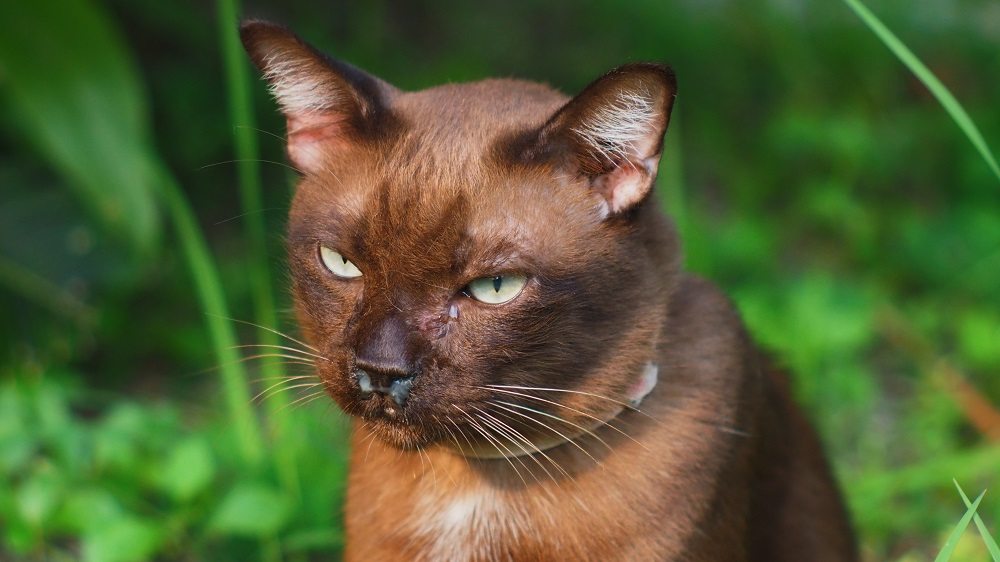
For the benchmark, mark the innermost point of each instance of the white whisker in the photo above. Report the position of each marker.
(549, 427)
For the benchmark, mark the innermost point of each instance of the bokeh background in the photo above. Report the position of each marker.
(813, 177)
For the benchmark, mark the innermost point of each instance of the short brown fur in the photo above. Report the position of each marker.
(425, 192)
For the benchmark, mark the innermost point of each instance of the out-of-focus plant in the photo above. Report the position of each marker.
(76, 96)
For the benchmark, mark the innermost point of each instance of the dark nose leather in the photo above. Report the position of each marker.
(383, 363)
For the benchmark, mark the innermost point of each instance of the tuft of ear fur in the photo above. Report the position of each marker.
(325, 101)
(613, 131)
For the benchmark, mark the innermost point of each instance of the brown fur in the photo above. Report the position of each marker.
(426, 191)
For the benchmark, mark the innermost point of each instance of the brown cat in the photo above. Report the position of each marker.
(500, 307)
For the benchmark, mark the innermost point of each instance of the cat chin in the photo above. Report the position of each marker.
(399, 436)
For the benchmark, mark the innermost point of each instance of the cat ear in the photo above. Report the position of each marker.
(325, 101)
(613, 131)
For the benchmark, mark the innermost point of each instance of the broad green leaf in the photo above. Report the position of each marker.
(127, 539)
(956, 533)
(73, 89)
(251, 509)
(940, 91)
(991, 543)
(89, 509)
(39, 496)
(189, 469)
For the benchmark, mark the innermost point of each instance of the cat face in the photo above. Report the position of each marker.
(455, 250)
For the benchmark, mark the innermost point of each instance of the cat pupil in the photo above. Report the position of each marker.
(497, 281)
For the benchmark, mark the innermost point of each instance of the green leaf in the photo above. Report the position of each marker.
(323, 539)
(991, 543)
(39, 496)
(189, 469)
(251, 509)
(88, 509)
(127, 539)
(69, 81)
(940, 91)
(956, 533)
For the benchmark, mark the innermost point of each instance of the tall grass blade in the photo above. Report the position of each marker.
(991, 543)
(943, 95)
(956, 533)
(248, 169)
(213, 303)
(241, 118)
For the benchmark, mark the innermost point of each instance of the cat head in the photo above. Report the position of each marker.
(457, 249)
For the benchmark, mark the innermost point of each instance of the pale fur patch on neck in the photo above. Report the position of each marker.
(620, 131)
(299, 84)
(467, 525)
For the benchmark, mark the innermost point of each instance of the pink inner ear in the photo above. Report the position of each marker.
(626, 185)
(311, 137)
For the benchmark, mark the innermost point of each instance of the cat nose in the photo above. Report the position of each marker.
(398, 389)
(383, 361)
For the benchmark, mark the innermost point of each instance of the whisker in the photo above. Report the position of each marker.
(430, 463)
(273, 331)
(479, 429)
(214, 368)
(539, 451)
(721, 427)
(235, 161)
(371, 438)
(283, 347)
(275, 135)
(572, 409)
(549, 427)
(591, 394)
(304, 400)
(246, 214)
(295, 358)
(511, 431)
(284, 389)
(504, 430)
(286, 378)
(472, 449)
(453, 439)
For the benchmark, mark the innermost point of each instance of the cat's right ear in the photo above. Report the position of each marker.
(326, 102)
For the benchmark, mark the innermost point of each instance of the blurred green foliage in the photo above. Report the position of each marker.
(818, 181)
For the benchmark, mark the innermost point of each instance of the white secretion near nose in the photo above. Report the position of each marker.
(645, 384)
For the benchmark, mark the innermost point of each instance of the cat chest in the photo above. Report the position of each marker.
(467, 526)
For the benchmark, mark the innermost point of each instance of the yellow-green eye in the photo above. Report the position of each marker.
(338, 264)
(497, 289)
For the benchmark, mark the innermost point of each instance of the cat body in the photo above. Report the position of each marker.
(498, 301)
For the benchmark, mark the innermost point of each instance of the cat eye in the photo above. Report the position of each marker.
(338, 264)
(497, 289)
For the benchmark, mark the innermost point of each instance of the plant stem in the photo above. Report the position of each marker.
(241, 116)
(209, 290)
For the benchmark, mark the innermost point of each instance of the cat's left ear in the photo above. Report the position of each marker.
(612, 132)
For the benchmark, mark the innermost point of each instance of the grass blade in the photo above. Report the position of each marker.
(940, 91)
(991, 543)
(208, 287)
(248, 169)
(956, 533)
